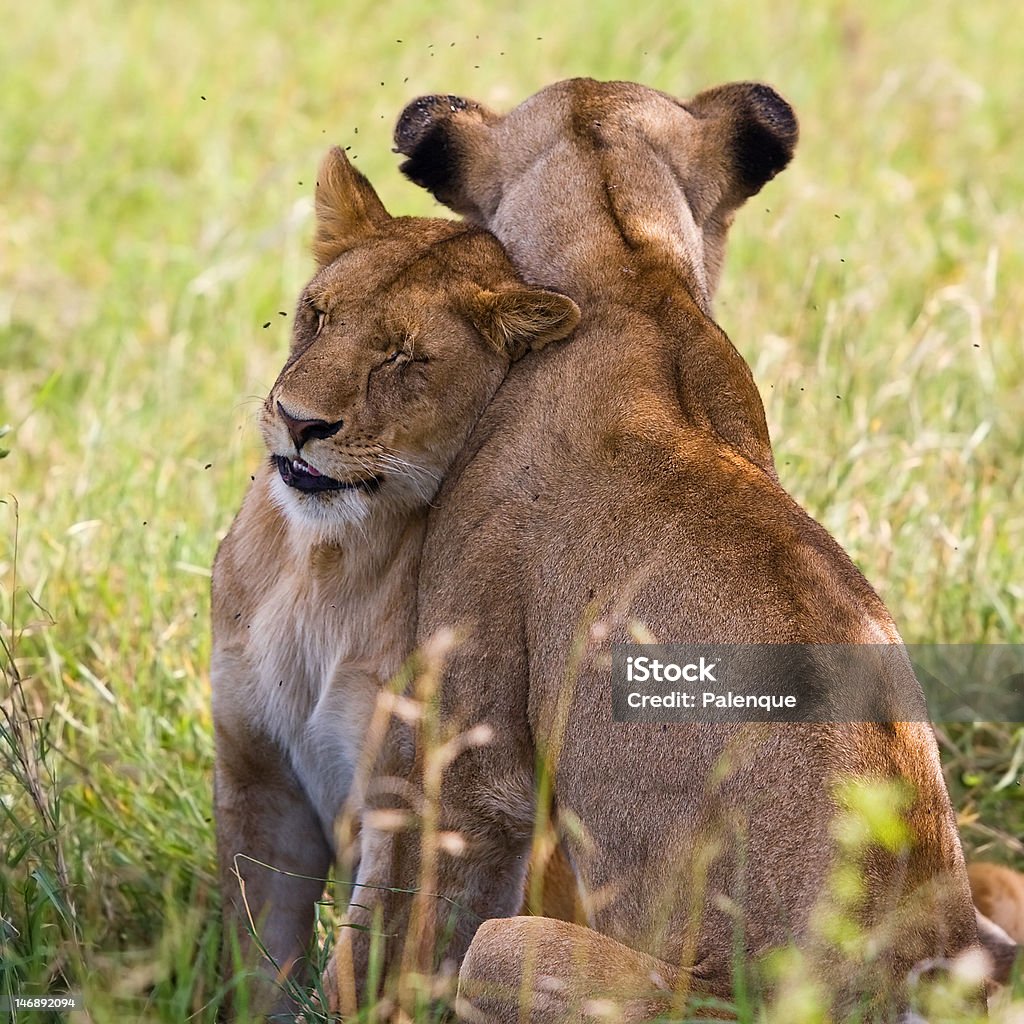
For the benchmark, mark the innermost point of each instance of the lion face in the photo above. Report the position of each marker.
(671, 169)
(400, 340)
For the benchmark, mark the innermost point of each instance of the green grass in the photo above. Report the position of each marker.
(156, 164)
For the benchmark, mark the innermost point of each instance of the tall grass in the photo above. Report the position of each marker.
(156, 164)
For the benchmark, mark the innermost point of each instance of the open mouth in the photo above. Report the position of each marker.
(303, 477)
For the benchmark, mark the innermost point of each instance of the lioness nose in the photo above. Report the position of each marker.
(302, 430)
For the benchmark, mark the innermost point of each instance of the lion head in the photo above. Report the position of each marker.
(671, 171)
(400, 340)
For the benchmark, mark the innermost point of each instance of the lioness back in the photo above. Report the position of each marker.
(624, 487)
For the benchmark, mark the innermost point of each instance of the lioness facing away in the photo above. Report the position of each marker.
(624, 484)
(400, 339)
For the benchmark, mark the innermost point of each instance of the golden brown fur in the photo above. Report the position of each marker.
(628, 478)
(999, 894)
(400, 340)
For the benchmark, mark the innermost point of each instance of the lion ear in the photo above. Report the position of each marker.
(515, 320)
(348, 210)
(758, 132)
(448, 142)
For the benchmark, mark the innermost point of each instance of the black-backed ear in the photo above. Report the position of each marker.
(762, 130)
(517, 320)
(348, 210)
(440, 135)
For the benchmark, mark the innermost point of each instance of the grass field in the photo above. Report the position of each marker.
(156, 167)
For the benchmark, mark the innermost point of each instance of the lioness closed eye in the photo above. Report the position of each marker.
(400, 339)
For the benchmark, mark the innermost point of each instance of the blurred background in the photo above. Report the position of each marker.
(157, 163)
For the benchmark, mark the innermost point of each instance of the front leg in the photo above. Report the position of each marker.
(422, 892)
(273, 859)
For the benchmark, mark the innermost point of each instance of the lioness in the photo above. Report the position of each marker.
(400, 339)
(625, 484)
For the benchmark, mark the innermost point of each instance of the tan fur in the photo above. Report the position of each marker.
(551, 889)
(999, 894)
(628, 479)
(400, 340)
(517, 969)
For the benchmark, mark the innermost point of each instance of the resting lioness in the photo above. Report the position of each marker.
(625, 485)
(400, 339)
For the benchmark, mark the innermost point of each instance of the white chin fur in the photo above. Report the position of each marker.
(327, 514)
(330, 514)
